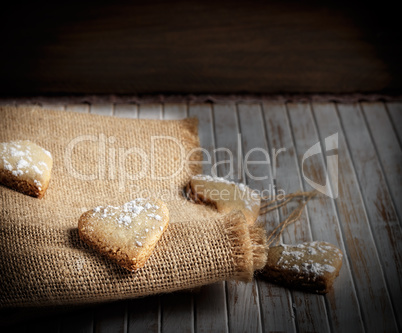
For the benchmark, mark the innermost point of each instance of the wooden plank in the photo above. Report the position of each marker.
(101, 109)
(228, 142)
(342, 304)
(144, 315)
(385, 226)
(28, 104)
(252, 127)
(126, 110)
(395, 112)
(388, 149)
(274, 317)
(150, 111)
(177, 312)
(361, 252)
(79, 321)
(7, 101)
(275, 302)
(243, 298)
(175, 111)
(177, 309)
(55, 106)
(205, 131)
(109, 317)
(70, 321)
(81, 108)
(210, 302)
(204, 46)
(104, 109)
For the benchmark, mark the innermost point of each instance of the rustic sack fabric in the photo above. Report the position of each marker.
(105, 160)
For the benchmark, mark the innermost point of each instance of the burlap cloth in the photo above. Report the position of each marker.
(102, 160)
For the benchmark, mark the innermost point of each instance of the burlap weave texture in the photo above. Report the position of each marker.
(105, 160)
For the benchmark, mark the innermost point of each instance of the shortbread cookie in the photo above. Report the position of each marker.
(25, 167)
(224, 195)
(126, 234)
(309, 266)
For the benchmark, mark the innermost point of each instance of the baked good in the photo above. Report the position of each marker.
(224, 195)
(311, 266)
(25, 167)
(127, 234)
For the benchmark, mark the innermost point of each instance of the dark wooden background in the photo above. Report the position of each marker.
(199, 46)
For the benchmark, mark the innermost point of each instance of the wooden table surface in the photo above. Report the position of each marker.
(364, 220)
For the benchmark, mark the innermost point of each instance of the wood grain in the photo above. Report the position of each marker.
(364, 221)
(177, 309)
(363, 257)
(395, 112)
(322, 224)
(200, 47)
(276, 303)
(144, 315)
(387, 231)
(211, 303)
(242, 299)
(109, 317)
(387, 148)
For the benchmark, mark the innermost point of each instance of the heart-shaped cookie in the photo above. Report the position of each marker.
(311, 266)
(224, 195)
(126, 234)
(25, 167)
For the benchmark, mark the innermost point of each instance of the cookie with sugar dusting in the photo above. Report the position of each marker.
(127, 234)
(311, 266)
(25, 167)
(224, 195)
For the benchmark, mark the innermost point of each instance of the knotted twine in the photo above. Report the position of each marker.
(279, 201)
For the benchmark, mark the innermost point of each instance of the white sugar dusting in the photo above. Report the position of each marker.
(16, 173)
(213, 179)
(248, 196)
(311, 250)
(23, 164)
(36, 169)
(309, 258)
(38, 184)
(126, 220)
(7, 166)
(139, 215)
(24, 160)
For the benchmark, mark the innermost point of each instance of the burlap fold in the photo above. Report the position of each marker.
(100, 160)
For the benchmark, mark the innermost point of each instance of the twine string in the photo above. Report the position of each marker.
(287, 196)
(293, 216)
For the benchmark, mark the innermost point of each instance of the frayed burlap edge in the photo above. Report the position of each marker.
(253, 254)
(191, 139)
(258, 237)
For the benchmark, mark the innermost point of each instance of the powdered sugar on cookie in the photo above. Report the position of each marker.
(127, 233)
(25, 167)
(311, 266)
(314, 258)
(225, 195)
(126, 215)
